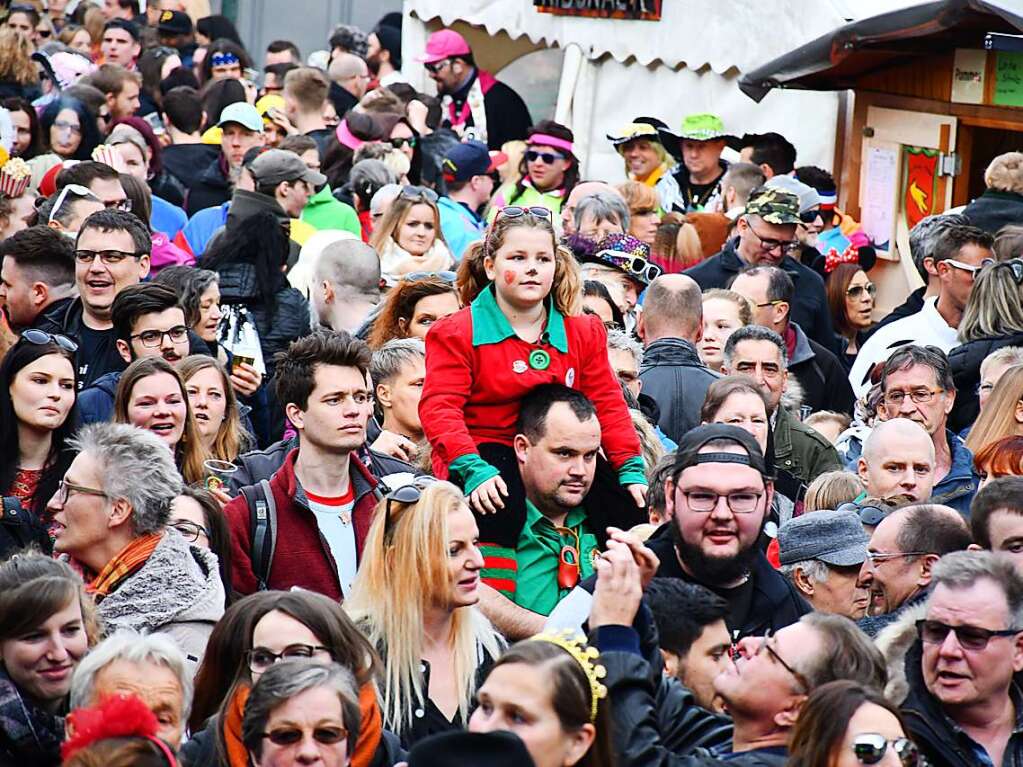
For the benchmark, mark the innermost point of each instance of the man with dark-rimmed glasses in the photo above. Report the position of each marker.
(767, 237)
(111, 253)
(964, 705)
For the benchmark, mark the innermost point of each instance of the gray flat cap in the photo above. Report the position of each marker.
(834, 537)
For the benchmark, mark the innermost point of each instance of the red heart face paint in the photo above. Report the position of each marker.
(508, 277)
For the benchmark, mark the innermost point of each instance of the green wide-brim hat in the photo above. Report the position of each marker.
(698, 127)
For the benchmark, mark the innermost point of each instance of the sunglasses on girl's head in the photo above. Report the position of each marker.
(40, 337)
(223, 59)
(548, 158)
(418, 193)
(870, 748)
(515, 211)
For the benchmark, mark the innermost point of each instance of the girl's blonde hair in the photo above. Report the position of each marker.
(402, 576)
(16, 58)
(830, 490)
(998, 418)
(567, 288)
(231, 436)
(393, 220)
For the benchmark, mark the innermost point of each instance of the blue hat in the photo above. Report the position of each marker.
(463, 161)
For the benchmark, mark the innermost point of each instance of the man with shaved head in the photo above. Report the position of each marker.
(583, 189)
(346, 285)
(670, 326)
(898, 459)
(349, 79)
(901, 555)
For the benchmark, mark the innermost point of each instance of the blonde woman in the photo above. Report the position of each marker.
(18, 74)
(408, 237)
(414, 598)
(644, 210)
(214, 407)
(1002, 415)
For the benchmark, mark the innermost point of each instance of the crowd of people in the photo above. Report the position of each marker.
(342, 423)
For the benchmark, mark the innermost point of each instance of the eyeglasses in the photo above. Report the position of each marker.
(919, 396)
(444, 275)
(189, 530)
(1014, 265)
(765, 645)
(768, 244)
(260, 658)
(77, 190)
(855, 291)
(223, 59)
(869, 515)
(401, 141)
(703, 501)
(436, 66)
(406, 494)
(108, 257)
(969, 637)
(418, 193)
(64, 125)
(968, 267)
(124, 204)
(548, 158)
(874, 557)
(637, 265)
(516, 211)
(65, 488)
(153, 338)
(290, 736)
(770, 303)
(870, 748)
(41, 337)
(43, 33)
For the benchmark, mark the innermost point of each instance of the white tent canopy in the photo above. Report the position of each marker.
(687, 62)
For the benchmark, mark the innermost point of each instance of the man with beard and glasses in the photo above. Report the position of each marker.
(148, 322)
(717, 495)
(323, 500)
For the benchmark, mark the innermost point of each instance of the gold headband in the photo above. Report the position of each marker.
(585, 656)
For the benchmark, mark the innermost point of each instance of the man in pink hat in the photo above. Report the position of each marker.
(475, 105)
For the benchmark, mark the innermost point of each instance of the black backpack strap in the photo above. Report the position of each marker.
(262, 530)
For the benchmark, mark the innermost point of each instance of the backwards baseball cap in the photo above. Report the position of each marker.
(472, 158)
(242, 113)
(834, 537)
(275, 166)
(775, 206)
(694, 440)
(444, 44)
(174, 23)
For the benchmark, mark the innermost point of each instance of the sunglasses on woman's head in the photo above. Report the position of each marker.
(406, 494)
(418, 193)
(41, 337)
(870, 748)
(515, 211)
(444, 275)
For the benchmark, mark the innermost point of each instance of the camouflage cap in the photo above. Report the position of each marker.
(775, 206)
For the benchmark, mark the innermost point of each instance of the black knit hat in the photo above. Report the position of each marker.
(470, 749)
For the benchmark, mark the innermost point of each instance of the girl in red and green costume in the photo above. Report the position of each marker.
(524, 328)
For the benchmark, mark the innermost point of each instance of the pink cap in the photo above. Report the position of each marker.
(443, 45)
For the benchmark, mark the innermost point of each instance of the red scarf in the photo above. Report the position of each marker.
(126, 563)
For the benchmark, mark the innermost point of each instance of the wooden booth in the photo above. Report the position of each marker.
(933, 93)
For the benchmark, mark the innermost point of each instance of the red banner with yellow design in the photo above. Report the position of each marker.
(920, 189)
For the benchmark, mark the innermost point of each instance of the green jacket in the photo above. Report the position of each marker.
(800, 450)
(323, 211)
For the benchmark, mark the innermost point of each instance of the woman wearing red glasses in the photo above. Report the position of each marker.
(548, 172)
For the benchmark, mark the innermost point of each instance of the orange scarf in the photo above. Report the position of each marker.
(365, 745)
(126, 563)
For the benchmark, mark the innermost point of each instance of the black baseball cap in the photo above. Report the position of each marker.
(128, 26)
(174, 23)
(688, 453)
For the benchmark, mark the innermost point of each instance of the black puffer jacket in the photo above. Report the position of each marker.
(278, 325)
(965, 363)
(673, 375)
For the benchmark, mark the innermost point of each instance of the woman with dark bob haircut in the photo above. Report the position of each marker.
(844, 724)
(255, 632)
(60, 131)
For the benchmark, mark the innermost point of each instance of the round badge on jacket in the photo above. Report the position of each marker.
(539, 359)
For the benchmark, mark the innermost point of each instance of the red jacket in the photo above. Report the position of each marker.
(472, 390)
(302, 557)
